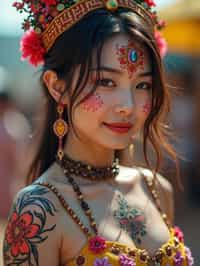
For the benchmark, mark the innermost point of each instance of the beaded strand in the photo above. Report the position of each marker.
(84, 205)
(69, 210)
(151, 186)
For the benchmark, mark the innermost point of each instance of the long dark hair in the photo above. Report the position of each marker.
(74, 47)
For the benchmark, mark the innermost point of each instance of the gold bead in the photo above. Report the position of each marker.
(88, 212)
(168, 251)
(143, 256)
(93, 224)
(80, 197)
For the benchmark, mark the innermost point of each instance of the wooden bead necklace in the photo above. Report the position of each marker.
(87, 171)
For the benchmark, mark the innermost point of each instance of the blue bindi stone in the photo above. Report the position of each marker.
(133, 56)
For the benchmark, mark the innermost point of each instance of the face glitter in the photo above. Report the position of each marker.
(146, 107)
(93, 103)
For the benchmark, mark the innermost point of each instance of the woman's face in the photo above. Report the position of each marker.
(123, 95)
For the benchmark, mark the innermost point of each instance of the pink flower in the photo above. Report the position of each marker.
(126, 261)
(49, 2)
(150, 3)
(97, 244)
(32, 48)
(178, 233)
(18, 5)
(101, 262)
(161, 43)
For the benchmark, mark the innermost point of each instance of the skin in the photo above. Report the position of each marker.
(119, 98)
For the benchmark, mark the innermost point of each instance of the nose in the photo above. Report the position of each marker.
(126, 105)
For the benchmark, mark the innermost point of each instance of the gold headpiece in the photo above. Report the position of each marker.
(48, 19)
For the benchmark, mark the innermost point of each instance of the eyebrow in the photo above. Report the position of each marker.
(118, 71)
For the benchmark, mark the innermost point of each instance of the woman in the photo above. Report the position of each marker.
(103, 81)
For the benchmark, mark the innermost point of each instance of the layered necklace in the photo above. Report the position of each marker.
(76, 168)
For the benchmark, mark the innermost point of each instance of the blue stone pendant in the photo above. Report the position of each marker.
(133, 56)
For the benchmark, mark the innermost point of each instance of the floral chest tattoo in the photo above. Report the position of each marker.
(130, 219)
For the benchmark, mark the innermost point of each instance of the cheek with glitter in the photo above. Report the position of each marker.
(93, 103)
(130, 57)
(146, 108)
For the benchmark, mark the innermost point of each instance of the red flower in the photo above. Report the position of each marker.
(53, 12)
(32, 48)
(26, 25)
(178, 233)
(35, 8)
(49, 2)
(19, 230)
(161, 43)
(150, 3)
(18, 5)
(97, 244)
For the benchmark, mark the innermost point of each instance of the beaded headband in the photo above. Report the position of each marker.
(48, 19)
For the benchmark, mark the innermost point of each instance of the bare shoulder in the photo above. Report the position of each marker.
(162, 182)
(32, 228)
(165, 192)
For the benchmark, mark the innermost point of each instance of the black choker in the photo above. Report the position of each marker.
(87, 171)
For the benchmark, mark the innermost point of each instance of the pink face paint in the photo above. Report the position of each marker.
(93, 103)
(146, 108)
(130, 57)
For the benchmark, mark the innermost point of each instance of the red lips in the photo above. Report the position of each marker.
(119, 127)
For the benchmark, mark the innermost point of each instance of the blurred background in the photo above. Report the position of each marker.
(20, 98)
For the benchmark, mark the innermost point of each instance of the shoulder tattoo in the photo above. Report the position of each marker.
(26, 229)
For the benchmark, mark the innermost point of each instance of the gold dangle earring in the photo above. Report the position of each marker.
(131, 152)
(60, 128)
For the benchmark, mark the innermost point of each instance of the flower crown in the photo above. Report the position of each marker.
(48, 19)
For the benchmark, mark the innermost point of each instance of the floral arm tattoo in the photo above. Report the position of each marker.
(26, 229)
(131, 220)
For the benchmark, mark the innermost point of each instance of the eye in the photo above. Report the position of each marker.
(106, 83)
(144, 86)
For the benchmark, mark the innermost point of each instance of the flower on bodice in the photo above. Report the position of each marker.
(126, 261)
(97, 244)
(178, 259)
(102, 262)
(190, 259)
(178, 233)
